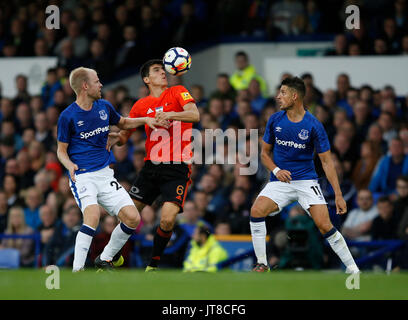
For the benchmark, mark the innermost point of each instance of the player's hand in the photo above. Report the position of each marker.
(161, 116)
(154, 123)
(113, 138)
(284, 175)
(341, 206)
(72, 170)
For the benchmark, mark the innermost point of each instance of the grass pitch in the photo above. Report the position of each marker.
(175, 285)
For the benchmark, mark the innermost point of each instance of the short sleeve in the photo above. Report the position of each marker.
(134, 111)
(269, 136)
(64, 129)
(182, 95)
(114, 116)
(321, 141)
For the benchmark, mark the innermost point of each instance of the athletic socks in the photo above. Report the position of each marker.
(118, 238)
(160, 241)
(82, 244)
(258, 233)
(339, 246)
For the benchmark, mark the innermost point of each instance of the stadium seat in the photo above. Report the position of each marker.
(9, 258)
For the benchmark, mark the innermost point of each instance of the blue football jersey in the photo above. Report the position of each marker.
(294, 144)
(86, 132)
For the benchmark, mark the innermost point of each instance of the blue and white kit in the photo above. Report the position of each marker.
(294, 145)
(86, 133)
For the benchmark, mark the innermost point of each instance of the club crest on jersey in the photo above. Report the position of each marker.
(103, 115)
(159, 109)
(304, 134)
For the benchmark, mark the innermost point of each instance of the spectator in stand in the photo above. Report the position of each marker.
(36, 153)
(313, 94)
(375, 135)
(363, 171)
(404, 45)
(258, 102)
(380, 47)
(59, 249)
(191, 218)
(391, 35)
(123, 165)
(245, 72)
(362, 119)
(237, 212)
(22, 90)
(342, 147)
(11, 188)
(354, 49)
(33, 200)
(343, 85)
(128, 55)
(42, 130)
(284, 12)
(99, 61)
(48, 224)
(16, 226)
(4, 211)
(26, 174)
(67, 57)
(387, 124)
(52, 84)
(79, 41)
(205, 252)
(401, 197)
(149, 223)
(197, 92)
(340, 46)
(24, 117)
(358, 223)
(187, 27)
(389, 169)
(223, 90)
(384, 226)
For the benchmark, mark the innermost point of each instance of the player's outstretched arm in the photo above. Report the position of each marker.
(62, 154)
(330, 171)
(190, 114)
(131, 123)
(281, 175)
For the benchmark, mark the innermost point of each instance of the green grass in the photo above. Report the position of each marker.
(175, 285)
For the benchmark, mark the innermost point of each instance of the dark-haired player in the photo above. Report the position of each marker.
(293, 135)
(167, 170)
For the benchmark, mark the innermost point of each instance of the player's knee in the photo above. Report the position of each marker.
(324, 226)
(130, 217)
(167, 223)
(257, 212)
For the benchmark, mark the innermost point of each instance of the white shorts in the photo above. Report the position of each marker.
(100, 187)
(306, 192)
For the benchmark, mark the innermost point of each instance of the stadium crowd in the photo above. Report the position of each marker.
(107, 35)
(367, 126)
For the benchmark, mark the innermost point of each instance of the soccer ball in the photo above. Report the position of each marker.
(177, 61)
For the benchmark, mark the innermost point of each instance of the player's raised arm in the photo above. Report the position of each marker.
(282, 175)
(62, 154)
(190, 114)
(330, 171)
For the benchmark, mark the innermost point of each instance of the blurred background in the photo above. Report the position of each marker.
(356, 84)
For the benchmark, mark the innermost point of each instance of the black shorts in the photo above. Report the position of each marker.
(171, 181)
